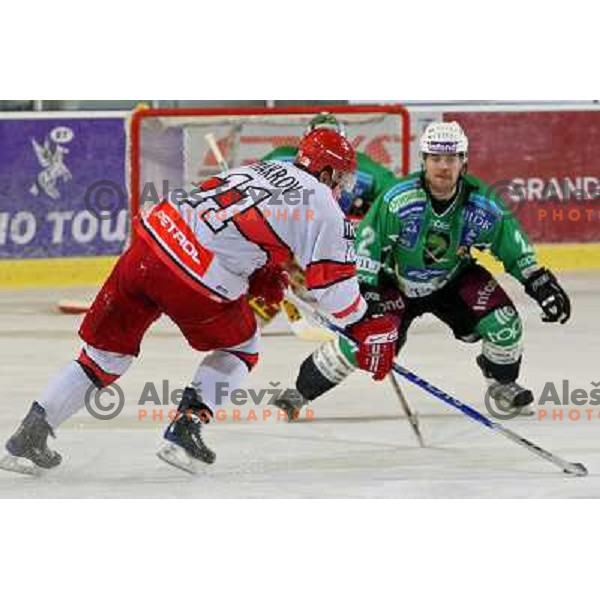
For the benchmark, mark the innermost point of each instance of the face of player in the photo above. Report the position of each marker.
(338, 181)
(441, 173)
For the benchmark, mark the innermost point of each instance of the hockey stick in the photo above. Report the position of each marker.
(568, 467)
(298, 323)
(301, 327)
(214, 148)
(410, 415)
(73, 307)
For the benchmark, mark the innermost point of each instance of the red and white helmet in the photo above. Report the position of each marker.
(325, 148)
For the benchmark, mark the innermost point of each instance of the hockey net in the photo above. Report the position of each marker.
(168, 148)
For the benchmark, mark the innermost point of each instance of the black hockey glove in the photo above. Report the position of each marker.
(382, 301)
(543, 287)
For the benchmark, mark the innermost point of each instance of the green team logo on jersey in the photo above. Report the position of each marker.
(406, 198)
(436, 246)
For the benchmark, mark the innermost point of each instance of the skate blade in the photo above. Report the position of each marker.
(18, 464)
(523, 411)
(177, 457)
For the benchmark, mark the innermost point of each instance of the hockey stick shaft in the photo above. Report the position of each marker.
(568, 467)
(214, 148)
(410, 415)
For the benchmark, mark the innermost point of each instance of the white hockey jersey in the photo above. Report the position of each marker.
(216, 236)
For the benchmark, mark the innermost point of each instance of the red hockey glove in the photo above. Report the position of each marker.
(269, 283)
(376, 338)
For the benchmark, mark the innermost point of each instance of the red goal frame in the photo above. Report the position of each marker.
(138, 116)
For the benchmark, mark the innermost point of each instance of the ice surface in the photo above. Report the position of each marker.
(358, 445)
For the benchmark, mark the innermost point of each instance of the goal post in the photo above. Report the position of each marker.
(168, 147)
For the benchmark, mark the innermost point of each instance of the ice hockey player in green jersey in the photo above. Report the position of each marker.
(371, 177)
(414, 257)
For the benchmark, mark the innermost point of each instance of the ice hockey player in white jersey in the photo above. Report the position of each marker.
(196, 259)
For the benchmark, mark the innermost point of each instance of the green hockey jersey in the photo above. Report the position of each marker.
(404, 237)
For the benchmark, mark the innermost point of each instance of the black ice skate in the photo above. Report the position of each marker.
(184, 447)
(27, 449)
(291, 401)
(511, 398)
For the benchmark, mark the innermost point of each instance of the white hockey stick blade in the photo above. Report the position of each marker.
(18, 464)
(302, 328)
(304, 331)
(73, 307)
(177, 457)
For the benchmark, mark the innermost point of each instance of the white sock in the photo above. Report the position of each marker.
(65, 394)
(217, 376)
